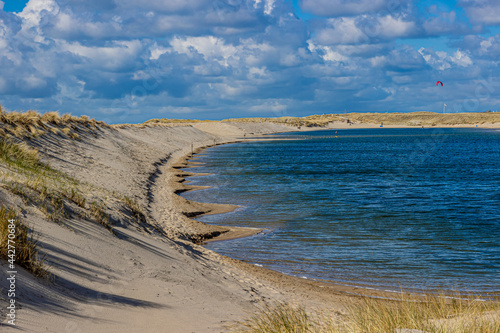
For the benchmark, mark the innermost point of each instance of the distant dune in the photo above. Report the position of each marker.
(487, 119)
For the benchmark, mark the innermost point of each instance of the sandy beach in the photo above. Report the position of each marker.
(137, 279)
(151, 275)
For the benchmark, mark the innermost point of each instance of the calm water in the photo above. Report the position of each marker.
(417, 208)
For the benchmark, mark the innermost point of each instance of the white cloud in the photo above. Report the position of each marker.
(483, 12)
(34, 9)
(158, 51)
(461, 58)
(269, 106)
(175, 110)
(114, 57)
(363, 29)
(269, 7)
(342, 7)
(341, 31)
(258, 73)
(212, 48)
(391, 27)
(442, 60)
(129, 59)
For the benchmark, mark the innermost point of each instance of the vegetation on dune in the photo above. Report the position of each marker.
(169, 121)
(433, 313)
(32, 124)
(51, 191)
(57, 195)
(396, 118)
(26, 250)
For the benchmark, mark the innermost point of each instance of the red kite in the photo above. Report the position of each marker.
(439, 82)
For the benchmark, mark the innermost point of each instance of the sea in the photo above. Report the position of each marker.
(414, 209)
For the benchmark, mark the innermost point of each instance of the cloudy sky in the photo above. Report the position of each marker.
(129, 61)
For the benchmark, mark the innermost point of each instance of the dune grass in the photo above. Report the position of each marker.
(135, 210)
(432, 313)
(50, 190)
(395, 118)
(31, 124)
(57, 195)
(26, 246)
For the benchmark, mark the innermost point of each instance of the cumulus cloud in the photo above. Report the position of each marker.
(130, 61)
(365, 29)
(442, 60)
(481, 47)
(334, 8)
(483, 12)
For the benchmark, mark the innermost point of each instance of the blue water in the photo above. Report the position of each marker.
(412, 208)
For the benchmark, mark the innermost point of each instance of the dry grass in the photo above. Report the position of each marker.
(19, 155)
(31, 124)
(432, 313)
(98, 213)
(277, 319)
(35, 182)
(26, 246)
(402, 119)
(135, 210)
(170, 121)
(41, 186)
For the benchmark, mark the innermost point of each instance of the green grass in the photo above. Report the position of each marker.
(19, 155)
(44, 187)
(432, 313)
(26, 246)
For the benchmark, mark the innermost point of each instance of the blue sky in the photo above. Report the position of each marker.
(129, 61)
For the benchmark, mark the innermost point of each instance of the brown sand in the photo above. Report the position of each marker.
(138, 280)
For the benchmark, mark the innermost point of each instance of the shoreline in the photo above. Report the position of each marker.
(328, 291)
(355, 289)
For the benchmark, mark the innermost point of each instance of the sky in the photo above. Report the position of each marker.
(127, 61)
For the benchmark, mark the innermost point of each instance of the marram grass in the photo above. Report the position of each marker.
(26, 246)
(432, 313)
(31, 124)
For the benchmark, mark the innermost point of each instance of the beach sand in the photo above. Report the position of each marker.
(140, 279)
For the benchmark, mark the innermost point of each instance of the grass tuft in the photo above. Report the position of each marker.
(19, 155)
(432, 313)
(52, 118)
(135, 210)
(31, 124)
(26, 246)
(99, 215)
(280, 318)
